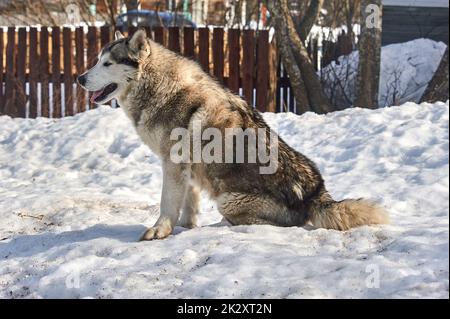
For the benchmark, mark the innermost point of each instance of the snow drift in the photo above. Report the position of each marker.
(406, 70)
(76, 193)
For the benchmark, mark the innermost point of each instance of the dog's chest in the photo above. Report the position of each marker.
(152, 137)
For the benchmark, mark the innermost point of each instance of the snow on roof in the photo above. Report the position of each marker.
(417, 3)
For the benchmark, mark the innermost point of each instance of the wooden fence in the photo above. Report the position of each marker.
(38, 67)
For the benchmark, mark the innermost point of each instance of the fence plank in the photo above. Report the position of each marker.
(278, 93)
(1, 72)
(92, 52)
(203, 48)
(273, 64)
(105, 38)
(105, 35)
(45, 76)
(148, 30)
(56, 72)
(68, 72)
(159, 34)
(248, 62)
(174, 39)
(79, 53)
(21, 96)
(10, 70)
(34, 72)
(262, 67)
(218, 55)
(188, 43)
(131, 30)
(234, 55)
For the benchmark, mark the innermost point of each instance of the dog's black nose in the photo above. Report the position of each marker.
(82, 79)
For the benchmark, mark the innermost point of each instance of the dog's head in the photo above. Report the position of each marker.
(117, 65)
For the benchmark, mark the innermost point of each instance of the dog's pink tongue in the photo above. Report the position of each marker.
(95, 95)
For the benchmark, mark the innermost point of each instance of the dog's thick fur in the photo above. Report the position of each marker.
(160, 91)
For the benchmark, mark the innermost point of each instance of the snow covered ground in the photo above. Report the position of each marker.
(76, 193)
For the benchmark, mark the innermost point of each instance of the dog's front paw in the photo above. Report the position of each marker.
(156, 232)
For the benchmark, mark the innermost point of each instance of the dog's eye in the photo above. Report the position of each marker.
(107, 64)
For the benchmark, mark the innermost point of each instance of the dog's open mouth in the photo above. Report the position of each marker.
(100, 95)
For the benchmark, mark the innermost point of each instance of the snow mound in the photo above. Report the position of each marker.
(406, 70)
(76, 193)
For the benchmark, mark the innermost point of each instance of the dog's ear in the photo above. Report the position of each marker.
(118, 35)
(138, 41)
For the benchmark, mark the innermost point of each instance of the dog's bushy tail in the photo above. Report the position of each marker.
(346, 214)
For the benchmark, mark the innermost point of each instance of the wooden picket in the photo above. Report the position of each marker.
(203, 48)
(234, 55)
(189, 44)
(68, 69)
(174, 39)
(262, 79)
(10, 80)
(218, 54)
(80, 67)
(248, 65)
(56, 72)
(33, 67)
(44, 72)
(20, 73)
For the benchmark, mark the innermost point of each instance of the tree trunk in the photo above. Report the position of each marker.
(318, 101)
(289, 62)
(310, 17)
(437, 89)
(368, 80)
(305, 84)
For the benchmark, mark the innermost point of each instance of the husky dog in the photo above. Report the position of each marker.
(161, 91)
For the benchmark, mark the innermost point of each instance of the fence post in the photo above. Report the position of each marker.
(248, 65)
(34, 72)
(273, 79)
(45, 107)
(234, 56)
(188, 43)
(218, 55)
(21, 96)
(174, 39)
(159, 35)
(56, 72)
(92, 52)
(262, 81)
(79, 47)
(10, 70)
(105, 35)
(203, 48)
(68, 72)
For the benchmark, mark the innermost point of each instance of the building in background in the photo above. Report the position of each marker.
(405, 20)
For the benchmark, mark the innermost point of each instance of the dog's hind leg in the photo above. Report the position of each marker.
(249, 209)
(190, 208)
